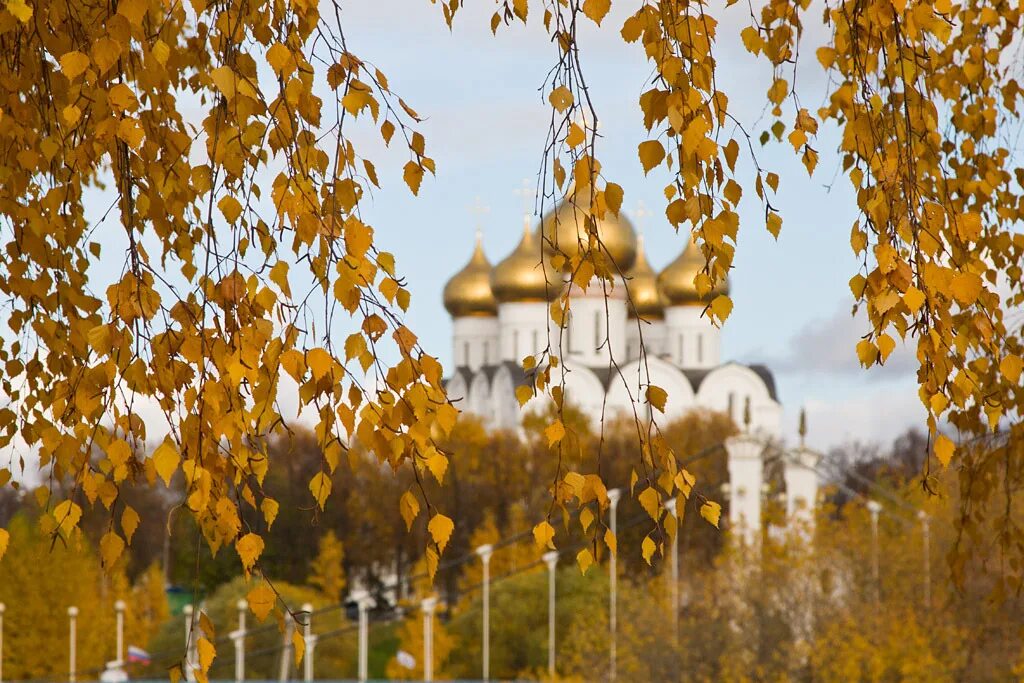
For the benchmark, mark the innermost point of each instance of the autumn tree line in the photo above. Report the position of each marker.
(798, 610)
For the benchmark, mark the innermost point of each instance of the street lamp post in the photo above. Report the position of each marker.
(428, 605)
(874, 507)
(72, 638)
(309, 640)
(613, 580)
(670, 508)
(364, 602)
(485, 552)
(3, 608)
(551, 560)
(119, 608)
(239, 637)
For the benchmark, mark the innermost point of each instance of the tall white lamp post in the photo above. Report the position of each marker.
(670, 508)
(238, 636)
(874, 507)
(309, 640)
(72, 637)
(428, 605)
(613, 580)
(364, 602)
(485, 552)
(3, 608)
(926, 541)
(119, 608)
(551, 560)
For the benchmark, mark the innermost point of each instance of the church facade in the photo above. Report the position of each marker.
(644, 327)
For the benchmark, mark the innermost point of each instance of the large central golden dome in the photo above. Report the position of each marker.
(644, 297)
(468, 293)
(567, 230)
(676, 281)
(520, 276)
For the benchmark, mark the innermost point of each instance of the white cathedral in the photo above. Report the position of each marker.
(500, 315)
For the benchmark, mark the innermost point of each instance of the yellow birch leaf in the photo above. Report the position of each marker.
(261, 600)
(230, 207)
(584, 559)
(555, 432)
(270, 508)
(67, 515)
(129, 522)
(944, 449)
(437, 463)
(111, 547)
(560, 98)
(20, 9)
(913, 298)
(298, 645)
(1010, 367)
(544, 535)
(166, 459)
(207, 653)
(5, 540)
(965, 288)
(711, 511)
(867, 353)
(73, 64)
(650, 501)
(721, 307)
(886, 344)
(651, 153)
(224, 78)
(524, 392)
(440, 528)
(647, 549)
(611, 542)
(596, 10)
(413, 176)
(249, 548)
(320, 487)
(657, 396)
(410, 509)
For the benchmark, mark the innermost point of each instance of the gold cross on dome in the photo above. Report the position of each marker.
(639, 214)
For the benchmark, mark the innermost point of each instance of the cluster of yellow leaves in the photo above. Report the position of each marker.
(237, 189)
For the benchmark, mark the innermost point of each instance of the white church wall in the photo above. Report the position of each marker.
(475, 341)
(591, 317)
(480, 403)
(726, 389)
(523, 329)
(505, 406)
(583, 389)
(638, 374)
(653, 332)
(458, 391)
(691, 341)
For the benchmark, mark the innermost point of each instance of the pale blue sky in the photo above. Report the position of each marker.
(486, 121)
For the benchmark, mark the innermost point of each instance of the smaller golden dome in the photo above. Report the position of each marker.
(468, 292)
(642, 282)
(520, 277)
(565, 228)
(676, 281)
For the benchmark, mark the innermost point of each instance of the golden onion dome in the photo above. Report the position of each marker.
(566, 229)
(468, 292)
(676, 281)
(642, 281)
(520, 277)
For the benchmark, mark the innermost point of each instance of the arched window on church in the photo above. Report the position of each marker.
(700, 349)
(597, 330)
(487, 352)
(465, 353)
(536, 345)
(515, 345)
(568, 333)
(680, 348)
(732, 405)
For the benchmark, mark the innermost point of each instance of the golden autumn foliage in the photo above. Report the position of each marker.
(249, 273)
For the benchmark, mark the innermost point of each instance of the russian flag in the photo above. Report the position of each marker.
(138, 655)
